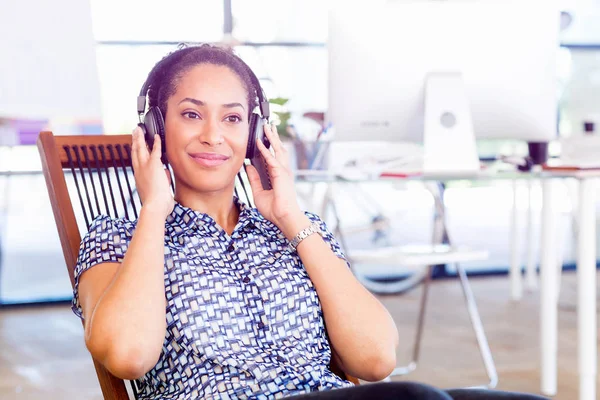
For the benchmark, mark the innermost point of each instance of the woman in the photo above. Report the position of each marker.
(202, 296)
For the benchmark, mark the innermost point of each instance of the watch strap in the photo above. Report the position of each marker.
(303, 234)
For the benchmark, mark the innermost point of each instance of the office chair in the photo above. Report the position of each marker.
(100, 169)
(420, 263)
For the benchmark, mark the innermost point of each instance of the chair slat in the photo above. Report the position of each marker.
(126, 174)
(100, 170)
(83, 180)
(110, 187)
(71, 165)
(89, 168)
(111, 151)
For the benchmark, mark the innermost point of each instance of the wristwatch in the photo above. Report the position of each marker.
(315, 227)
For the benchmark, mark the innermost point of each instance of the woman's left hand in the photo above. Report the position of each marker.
(279, 205)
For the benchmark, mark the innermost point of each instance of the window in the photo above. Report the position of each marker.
(123, 70)
(280, 20)
(296, 73)
(156, 20)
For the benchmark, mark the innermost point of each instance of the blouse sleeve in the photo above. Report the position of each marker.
(105, 242)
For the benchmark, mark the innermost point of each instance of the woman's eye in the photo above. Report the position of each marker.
(233, 118)
(191, 115)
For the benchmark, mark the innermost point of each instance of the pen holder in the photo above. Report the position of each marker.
(308, 155)
(538, 151)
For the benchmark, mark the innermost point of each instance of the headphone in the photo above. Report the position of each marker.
(152, 122)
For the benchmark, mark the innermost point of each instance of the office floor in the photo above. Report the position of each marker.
(43, 355)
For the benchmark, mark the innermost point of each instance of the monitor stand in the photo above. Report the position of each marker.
(449, 141)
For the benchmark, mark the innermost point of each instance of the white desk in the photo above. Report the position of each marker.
(586, 267)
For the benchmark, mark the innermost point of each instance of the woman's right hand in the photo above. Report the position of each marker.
(151, 178)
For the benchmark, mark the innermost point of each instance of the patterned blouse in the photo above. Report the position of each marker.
(243, 317)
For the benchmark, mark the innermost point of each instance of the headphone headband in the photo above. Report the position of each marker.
(168, 59)
(174, 57)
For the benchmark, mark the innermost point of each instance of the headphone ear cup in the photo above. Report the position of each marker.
(252, 135)
(146, 136)
(155, 125)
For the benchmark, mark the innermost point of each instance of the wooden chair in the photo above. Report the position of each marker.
(102, 179)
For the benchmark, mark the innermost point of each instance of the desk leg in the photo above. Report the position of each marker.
(548, 289)
(516, 277)
(530, 270)
(586, 290)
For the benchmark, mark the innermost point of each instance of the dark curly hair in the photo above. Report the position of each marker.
(165, 75)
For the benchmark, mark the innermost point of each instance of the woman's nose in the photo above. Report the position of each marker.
(211, 133)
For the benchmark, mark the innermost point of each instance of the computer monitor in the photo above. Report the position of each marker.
(444, 73)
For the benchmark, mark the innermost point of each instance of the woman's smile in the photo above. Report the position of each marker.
(209, 160)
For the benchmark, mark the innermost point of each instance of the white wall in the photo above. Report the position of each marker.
(48, 60)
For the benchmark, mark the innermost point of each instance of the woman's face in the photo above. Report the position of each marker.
(206, 128)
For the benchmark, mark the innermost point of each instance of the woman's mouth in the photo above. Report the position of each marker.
(209, 159)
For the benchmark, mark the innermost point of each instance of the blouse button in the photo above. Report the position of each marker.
(260, 325)
(246, 279)
(231, 247)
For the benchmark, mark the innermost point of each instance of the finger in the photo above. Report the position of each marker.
(254, 179)
(277, 138)
(142, 147)
(281, 153)
(133, 149)
(273, 136)
(157, 147)
(270, 159)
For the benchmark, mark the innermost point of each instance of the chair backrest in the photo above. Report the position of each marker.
(101, 183)
(105, 160)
